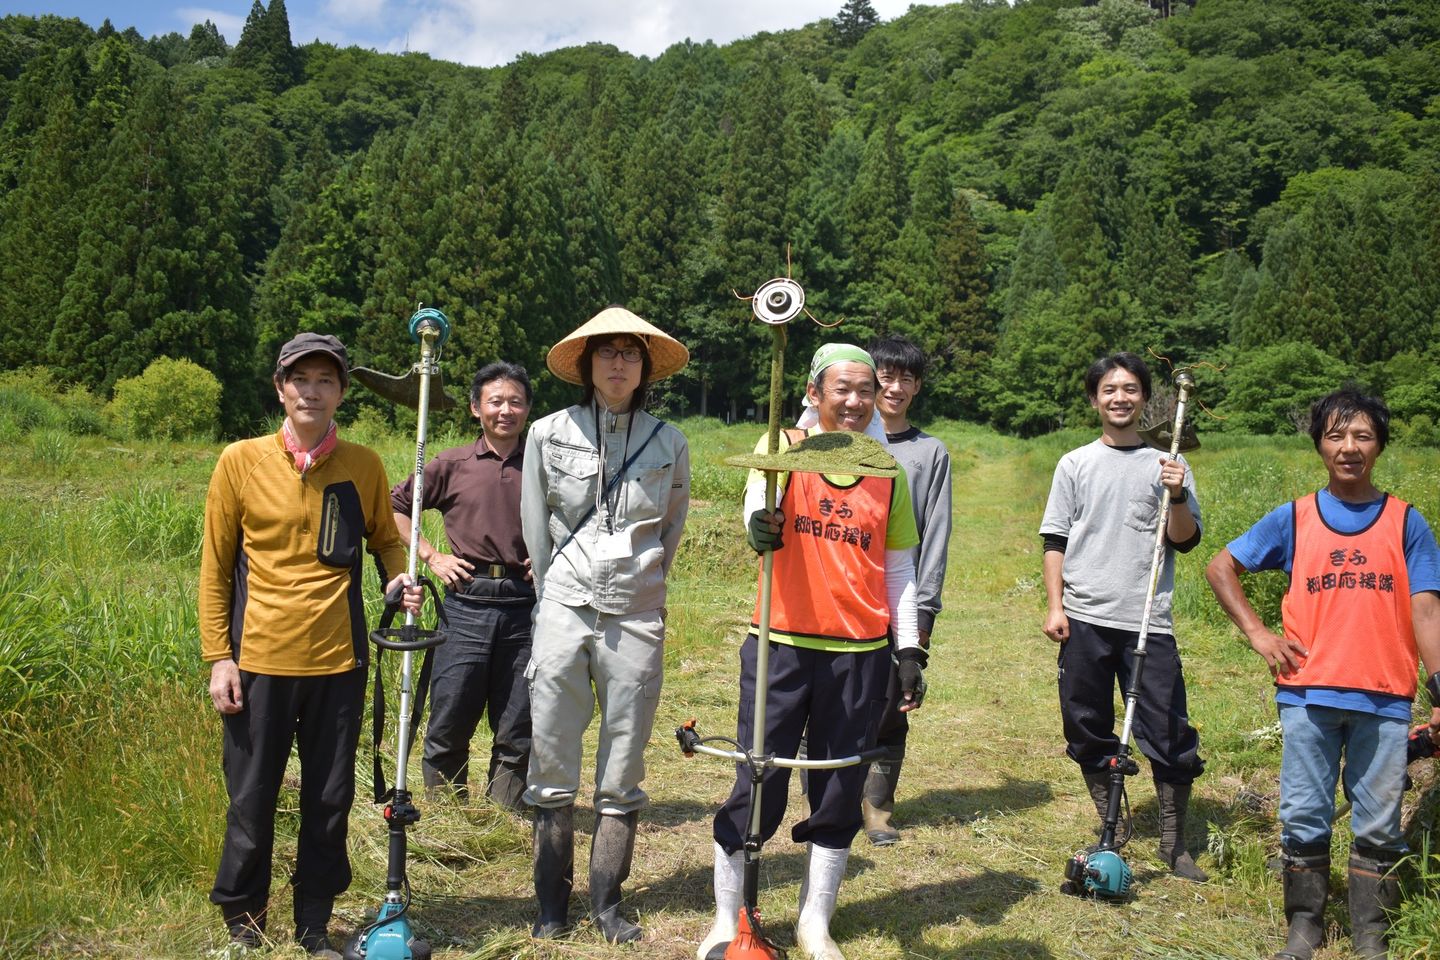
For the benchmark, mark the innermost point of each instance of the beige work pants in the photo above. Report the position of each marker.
(579, 657)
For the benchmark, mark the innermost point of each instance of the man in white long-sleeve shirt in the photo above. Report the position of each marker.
(845, 584)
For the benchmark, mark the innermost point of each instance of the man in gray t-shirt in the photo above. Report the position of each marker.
(1099, 537)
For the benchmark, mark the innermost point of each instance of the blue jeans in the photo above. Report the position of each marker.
(1374, 749)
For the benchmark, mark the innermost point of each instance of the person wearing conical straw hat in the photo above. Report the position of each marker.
(843, 550)
(605, 493)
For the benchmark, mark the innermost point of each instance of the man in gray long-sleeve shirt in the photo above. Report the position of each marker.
(901, 369)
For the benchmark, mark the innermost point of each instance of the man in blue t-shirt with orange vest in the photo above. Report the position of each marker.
(1363, 607)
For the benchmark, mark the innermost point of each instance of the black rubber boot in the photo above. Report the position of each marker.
(507, 787)
(611, 853)
(1374, 893)
(312, 921)
(245, 922)
(554, 868)
(877, 802)
(1174, 798)
(1305, 877)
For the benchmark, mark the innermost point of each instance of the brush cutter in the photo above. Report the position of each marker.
(777, 303)
(1100, 871)
(389, 936)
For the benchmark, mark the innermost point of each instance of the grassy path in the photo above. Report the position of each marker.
(989, 805)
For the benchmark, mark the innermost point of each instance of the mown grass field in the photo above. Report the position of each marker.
(112, 805)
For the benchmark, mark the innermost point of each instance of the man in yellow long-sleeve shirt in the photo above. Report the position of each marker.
(288, 519)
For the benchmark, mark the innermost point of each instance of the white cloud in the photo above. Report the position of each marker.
(356, 11)
(488, 33)
(228, 24)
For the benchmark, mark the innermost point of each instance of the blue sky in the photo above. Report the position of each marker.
(476, 32)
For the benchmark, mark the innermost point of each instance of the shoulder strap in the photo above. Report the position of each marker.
(609, 489)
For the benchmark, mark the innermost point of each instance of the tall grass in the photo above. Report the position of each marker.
(150, 521)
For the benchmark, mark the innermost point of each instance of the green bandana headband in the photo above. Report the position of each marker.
(833, 353)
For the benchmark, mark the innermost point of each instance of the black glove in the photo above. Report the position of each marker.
(911, 671)
(759, 535)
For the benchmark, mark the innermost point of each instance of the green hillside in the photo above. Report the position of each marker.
(1019, 188)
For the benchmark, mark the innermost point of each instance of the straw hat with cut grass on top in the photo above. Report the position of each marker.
(667, 355)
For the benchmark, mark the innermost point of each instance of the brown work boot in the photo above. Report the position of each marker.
(1099, 786)
(611, 853)
(1374, 895)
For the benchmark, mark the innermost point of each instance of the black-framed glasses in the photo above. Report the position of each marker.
(628, 354)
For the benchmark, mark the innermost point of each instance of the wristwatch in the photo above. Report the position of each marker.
(1184, 495)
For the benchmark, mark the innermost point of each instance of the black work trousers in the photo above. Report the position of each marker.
(1092, 664)
(322, 716)
(841, 696)
(479, 669)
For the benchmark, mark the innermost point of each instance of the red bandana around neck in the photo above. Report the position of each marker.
(305, 459)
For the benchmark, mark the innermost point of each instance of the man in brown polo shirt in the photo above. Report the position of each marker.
(488, 595)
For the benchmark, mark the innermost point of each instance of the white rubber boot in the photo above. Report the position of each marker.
(729, 879)
(824, 869)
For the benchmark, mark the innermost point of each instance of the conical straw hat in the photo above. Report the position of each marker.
(667, 355)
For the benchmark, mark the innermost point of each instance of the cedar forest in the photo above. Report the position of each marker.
(1017, 188)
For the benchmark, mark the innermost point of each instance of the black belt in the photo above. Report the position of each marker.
(495, 583)
(498, 571)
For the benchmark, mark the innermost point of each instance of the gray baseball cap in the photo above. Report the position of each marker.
(304, 344)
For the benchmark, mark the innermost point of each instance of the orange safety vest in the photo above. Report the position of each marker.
(829, 576)
(1349, 603)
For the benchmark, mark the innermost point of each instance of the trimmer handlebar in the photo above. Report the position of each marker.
(692, 743)
(411, 636)
(407, 637)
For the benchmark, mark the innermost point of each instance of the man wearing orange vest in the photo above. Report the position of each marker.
(845, 583)
(1362, 608)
